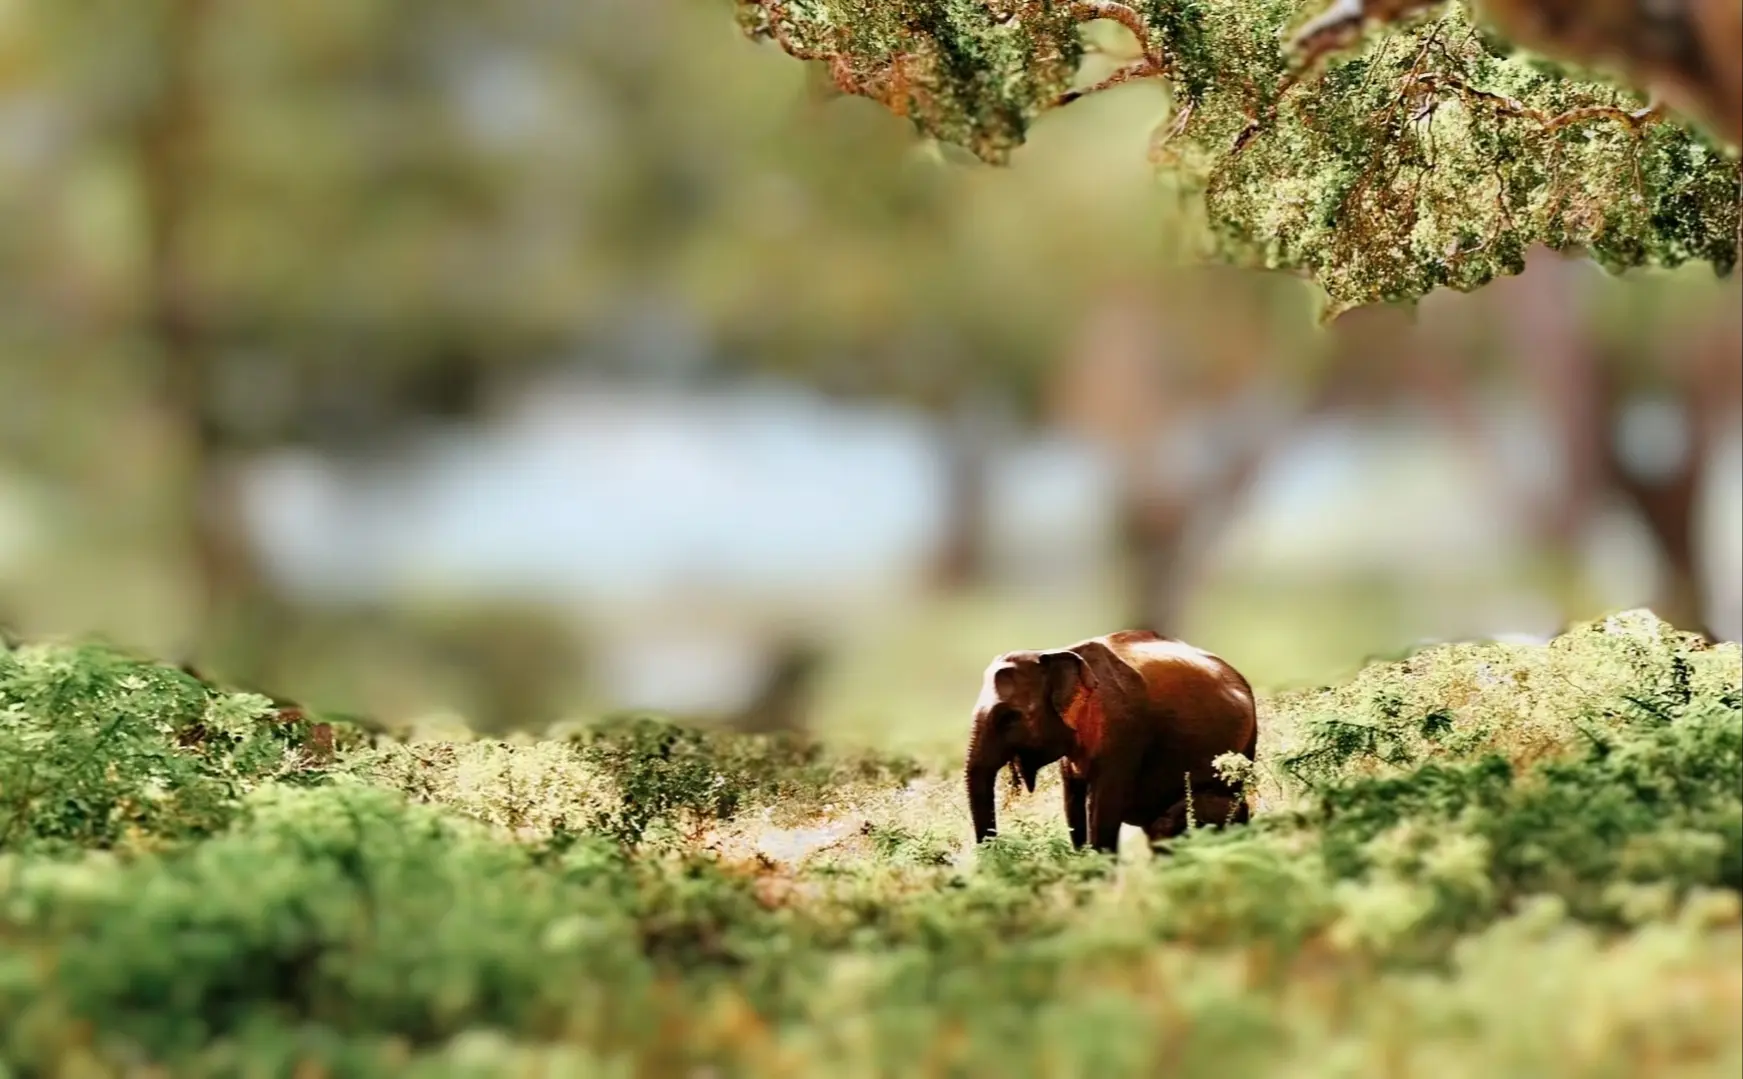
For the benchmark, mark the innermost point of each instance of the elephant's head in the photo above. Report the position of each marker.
(1019, 721)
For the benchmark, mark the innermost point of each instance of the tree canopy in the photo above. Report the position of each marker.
(1429, 152)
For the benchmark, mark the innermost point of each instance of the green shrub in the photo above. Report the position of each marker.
(1481, 859)
(899, 846)
(1652, 794)
(528, 792)
(343, 907)
(1522, 702)
(669, 776)
(98, 750)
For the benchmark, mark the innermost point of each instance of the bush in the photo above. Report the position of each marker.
(1648, 790)
(98, 750)
(1481, 859)
(677, 776)
(342, 908)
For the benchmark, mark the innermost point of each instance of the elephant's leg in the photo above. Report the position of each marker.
(1170, 824)
(1076, 806)
(1210, 808)
(1107, 809)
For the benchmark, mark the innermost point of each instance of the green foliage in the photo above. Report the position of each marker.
(1432, 156)
(341, 908)
(1523, 702)
(672, 774)
(971, 73)
(665, 770)
(100, 750)
(1523, 859)
(897, 845)
(1473, 810)
(639, 779)
(1436, 156)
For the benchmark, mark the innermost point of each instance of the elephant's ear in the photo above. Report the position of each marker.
(1067, 676)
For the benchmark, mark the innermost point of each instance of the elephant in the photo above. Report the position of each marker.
(1129, 715)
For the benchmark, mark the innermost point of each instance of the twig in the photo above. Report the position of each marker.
(1503, 105)
(1090, 10)
(1153, 64)
(1141, 69)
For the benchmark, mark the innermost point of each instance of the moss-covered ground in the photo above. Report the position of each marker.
(1484, 859)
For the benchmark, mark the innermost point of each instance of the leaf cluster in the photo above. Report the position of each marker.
(1433, 154)
(101, 750)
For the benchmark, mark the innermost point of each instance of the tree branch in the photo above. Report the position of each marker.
(1424, 158)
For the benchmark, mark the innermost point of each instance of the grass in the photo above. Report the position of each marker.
(1481, 859)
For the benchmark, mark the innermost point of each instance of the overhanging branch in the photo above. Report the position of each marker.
(1424, 155)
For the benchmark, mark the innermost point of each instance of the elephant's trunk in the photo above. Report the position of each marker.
(982, 773)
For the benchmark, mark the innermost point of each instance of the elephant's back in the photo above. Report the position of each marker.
(1206, 704)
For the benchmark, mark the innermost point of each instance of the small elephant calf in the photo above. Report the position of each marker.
(1130, 715)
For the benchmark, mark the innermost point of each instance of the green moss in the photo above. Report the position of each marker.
(969, 72)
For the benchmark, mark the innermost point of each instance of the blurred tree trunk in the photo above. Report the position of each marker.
(1165, 536)
(1111, 393)
(231, 598)
(1581, 390)
(782, 705)
(1541, 323)
(1127, 396)
(961, 559)
(1582, 396)
(1667, 498)
(1559, 376)
(1152, 539)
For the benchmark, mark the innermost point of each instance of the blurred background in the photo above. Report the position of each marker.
(536, 359)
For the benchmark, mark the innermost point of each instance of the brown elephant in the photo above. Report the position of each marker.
(1130, 715)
